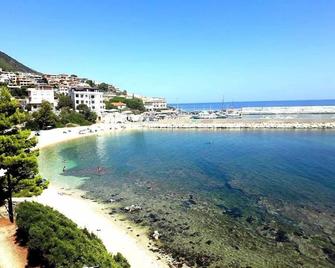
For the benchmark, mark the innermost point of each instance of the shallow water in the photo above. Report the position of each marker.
(220, 198)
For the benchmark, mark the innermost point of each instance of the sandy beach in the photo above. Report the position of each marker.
(121, 236)
(117, 236)
(57, 135)
(93, 216)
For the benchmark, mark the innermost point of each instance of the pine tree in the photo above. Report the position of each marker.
(17, 158)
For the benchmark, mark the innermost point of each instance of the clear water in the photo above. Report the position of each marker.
(218, 197)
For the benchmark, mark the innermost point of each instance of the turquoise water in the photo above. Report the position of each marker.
(219, 198)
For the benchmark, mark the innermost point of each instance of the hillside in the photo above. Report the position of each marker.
(7, 63)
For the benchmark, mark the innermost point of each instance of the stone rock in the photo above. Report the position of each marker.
(155, 235)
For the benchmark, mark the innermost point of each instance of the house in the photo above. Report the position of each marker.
(91, 97)
(39, 94)
(154, 103)
(119, 105)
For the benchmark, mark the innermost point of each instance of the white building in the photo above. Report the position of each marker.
(91, 97)
(63, 90)
(39, 94)
(154, 103)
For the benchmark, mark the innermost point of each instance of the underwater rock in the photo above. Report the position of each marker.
(281, 236)
(191, 200)
(133, 208)
(156, 235)
(330, 254)
(234, 212)
(250, 219)
(153, 217)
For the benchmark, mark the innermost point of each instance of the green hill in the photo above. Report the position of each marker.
(9, 64)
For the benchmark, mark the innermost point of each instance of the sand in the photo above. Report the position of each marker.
(57, 135)
(11, 254)
(114, 234)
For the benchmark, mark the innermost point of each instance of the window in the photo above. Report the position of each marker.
(81, 95)
(82, 102)
(77, 95)
(92, 96)
(77, 101)
(93, 107)
(92, 101)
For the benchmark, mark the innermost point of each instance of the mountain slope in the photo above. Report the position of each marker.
(7, 63)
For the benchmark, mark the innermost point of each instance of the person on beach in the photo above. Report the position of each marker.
(64, 168)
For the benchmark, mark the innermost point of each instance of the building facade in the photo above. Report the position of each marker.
(91, 97)
(39, 94)
(152, 104)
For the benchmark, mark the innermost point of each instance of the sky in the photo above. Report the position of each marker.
(186, 51)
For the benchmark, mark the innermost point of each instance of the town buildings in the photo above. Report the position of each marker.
(39, 94)
(47, 87)
(154, 103)
(91, 97)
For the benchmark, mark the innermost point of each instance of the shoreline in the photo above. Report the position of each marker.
(118, 235)
(59, 135)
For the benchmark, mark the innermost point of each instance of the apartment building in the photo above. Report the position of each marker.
(91, 97)
(39, 94)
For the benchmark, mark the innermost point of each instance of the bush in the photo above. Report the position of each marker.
(69, 116)
(55, 241)
(133, 103)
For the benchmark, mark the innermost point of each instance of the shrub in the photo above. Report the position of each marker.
(55, 241)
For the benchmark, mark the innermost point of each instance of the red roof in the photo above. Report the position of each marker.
(118, 104)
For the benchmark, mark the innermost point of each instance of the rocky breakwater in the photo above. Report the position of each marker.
(243, 124)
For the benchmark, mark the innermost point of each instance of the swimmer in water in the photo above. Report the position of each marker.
(64, 168)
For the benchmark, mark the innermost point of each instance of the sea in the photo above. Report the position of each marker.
(225, 198)
(189, 107)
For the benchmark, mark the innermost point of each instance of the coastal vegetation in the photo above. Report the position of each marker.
(64, 101)
(132, 104)
(55, 241)
(45, 118)
(18, 161)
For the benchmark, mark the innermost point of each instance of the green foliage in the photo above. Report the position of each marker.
(64, 102)
(19, 92)
(10, 113)
(31, 187)
(103, 87)
(90, 82)
(16, 156)
(87, 113)
(68, 116)
(55, 241)
(43, 118)
(133, 104)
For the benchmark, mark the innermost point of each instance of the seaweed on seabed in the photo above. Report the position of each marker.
(330, 254)
(281, 236)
